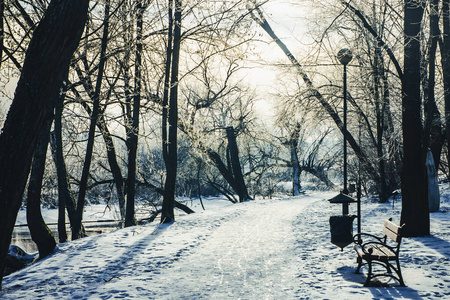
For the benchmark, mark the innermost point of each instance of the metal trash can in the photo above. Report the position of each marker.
(341, 228)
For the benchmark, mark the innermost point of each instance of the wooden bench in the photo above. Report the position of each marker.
(380, 251)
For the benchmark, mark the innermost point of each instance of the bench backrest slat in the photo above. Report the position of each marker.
(392, 231)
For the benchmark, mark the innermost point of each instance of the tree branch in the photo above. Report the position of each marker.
(380, 41)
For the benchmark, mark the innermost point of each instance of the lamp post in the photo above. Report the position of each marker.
(341, 227)
(345, 56)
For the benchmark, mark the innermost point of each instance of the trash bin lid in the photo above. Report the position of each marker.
(342, 198)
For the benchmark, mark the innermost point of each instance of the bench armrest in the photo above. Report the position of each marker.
(358, 238)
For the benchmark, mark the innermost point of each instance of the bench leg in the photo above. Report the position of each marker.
(399, 273)
(369, 274)
(359, 261)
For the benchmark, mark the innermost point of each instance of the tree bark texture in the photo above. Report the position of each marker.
(45, 67)
(414, 213)
(40, 233)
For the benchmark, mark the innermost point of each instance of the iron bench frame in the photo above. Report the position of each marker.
(377, 251)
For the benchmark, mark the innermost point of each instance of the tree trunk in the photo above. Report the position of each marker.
(66, 199)
(113, 164)
(393, 144)
(165, 100)
(76, 230)
(110, 150)
(414, 214)
(228, 171)
(296, 170)
(199, 183)
(133, 138)
(223, 169)
(446, 71)
(433, 136)
(167, 214)
(2, 11)
(40, 233)
(127, 111)
(377, 66)
(236, 165)
(45, 67)
(63, 192)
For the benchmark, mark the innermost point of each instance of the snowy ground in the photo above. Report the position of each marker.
(263, 249)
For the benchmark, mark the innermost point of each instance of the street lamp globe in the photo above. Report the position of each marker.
(344, 56)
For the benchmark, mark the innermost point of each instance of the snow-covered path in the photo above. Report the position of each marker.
(239, 251)
(264, 249)
(252, 254)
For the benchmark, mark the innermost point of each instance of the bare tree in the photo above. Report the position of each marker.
(414, 183)
(170, 117)
(133, 138)
(258, 16)
(217, 107)
(76, 230)
(66, 198)
(48, 57)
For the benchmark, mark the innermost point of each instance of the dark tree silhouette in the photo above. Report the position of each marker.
(134, 130)
(45, 68)
(235, 165)
(40, 233)
(66, 198)
(445, 54)
(170, 114)
(414, 214)
(76, 229)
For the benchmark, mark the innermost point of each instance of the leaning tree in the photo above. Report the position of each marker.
(45, 68)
